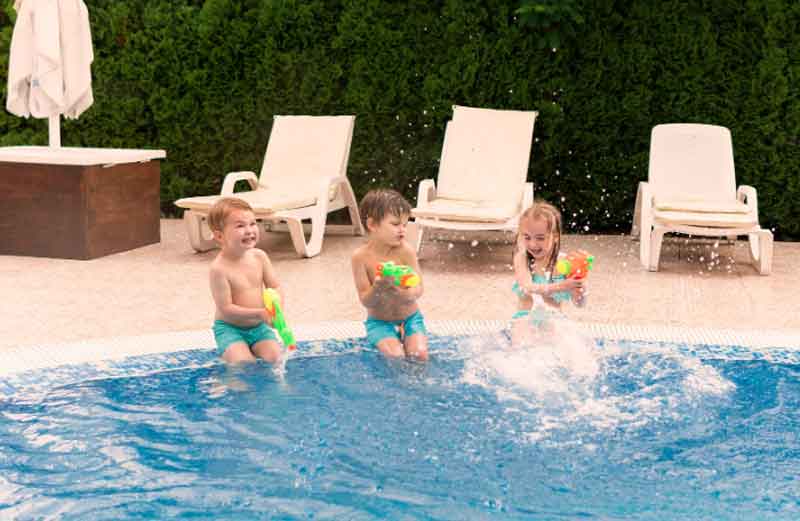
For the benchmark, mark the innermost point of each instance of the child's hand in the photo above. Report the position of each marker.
(267, 317)
(383, 283)
(574, 286)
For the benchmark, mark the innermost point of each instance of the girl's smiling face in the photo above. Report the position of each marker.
(537, 238)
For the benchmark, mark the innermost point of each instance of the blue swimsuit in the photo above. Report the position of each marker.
(559, 296)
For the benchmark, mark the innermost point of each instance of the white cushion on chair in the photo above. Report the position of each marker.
(702, 206)
(483, 164)
(721, 220)
(262, 201)
(468, 211)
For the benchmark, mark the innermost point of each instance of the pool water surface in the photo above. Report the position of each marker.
(615, 430)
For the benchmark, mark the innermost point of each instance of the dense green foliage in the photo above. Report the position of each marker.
(202, 79)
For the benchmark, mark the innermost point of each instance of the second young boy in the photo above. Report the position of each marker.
(394, 324)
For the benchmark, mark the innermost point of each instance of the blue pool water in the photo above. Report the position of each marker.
(618, 431)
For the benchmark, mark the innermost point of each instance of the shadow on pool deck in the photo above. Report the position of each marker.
(164, 287)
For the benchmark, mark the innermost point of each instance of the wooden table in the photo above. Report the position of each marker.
(78, 203)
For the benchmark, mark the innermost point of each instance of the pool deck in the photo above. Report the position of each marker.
(163, 288)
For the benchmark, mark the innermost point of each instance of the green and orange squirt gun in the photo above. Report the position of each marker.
(403, 275)
(576, 265)
(272, 301)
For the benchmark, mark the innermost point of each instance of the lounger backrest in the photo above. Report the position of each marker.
(303, 150)
(692, 162)
(485, 155)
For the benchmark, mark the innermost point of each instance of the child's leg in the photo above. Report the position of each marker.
(237, 353)
(415, 337)
(416, 346)
(268, 350)
(521, 333)
(384, 336)
(391, 347)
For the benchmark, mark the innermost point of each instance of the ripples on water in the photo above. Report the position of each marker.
(483, 431)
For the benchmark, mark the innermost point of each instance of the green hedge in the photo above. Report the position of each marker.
(203, 80)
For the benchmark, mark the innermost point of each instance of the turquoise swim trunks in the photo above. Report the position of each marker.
(377, 330)
(226, 334)
(538, 316)
(560, 296)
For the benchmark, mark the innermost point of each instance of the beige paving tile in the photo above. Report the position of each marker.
(163, 287)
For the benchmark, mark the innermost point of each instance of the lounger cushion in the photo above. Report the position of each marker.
(701, 206)
(483, 164)
(724, 220)
(263, 200)
(468, 211)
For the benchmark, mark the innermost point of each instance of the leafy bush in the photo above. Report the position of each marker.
(203, 80)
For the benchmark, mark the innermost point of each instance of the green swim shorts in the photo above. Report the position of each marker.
(226, 334)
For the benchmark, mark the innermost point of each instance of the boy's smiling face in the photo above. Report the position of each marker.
(240, 232)
(391, 230)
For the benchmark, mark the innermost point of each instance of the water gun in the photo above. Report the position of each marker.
(272, 301)
(576, 265)
(403, 275)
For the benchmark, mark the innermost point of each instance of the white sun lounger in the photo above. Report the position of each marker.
(482, 173)
(303, 177)
(691, 189)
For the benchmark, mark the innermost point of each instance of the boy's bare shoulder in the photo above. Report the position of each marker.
(259, 254)
(360, 254)
(217, 267)
(407, 252)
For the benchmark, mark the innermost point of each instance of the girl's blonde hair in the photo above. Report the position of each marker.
(550, 215)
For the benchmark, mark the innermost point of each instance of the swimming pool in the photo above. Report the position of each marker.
(636, 430)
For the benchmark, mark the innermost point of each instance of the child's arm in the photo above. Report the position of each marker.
(522, 270)
(221, 293)
(270, 278)
(579, 296)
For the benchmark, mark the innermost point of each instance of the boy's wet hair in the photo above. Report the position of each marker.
(222, 209)
(550, 214)
(377, 204)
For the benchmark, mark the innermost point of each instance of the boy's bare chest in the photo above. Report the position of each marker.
(247, 277)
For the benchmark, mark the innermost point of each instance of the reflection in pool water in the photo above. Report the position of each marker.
(601, 431)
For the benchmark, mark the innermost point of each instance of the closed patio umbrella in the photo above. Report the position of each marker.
(50, 62)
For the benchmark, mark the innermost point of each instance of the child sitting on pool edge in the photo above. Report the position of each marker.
(238, 276)
(536, 252)
(394, 322)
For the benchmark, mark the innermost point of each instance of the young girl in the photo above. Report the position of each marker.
(535, 256)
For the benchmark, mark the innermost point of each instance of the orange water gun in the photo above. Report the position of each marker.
(576, 265)
(403, 275)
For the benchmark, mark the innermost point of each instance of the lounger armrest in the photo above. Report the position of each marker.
(426, 192)
(642, 210)
(231, 178)
(326, 184)
(747, 195)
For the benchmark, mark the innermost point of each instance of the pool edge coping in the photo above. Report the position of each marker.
(36, 357)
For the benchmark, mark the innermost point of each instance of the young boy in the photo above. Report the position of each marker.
(394, 323)
(238, 276)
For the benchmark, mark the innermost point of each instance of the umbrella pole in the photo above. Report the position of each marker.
(55, 131)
